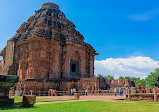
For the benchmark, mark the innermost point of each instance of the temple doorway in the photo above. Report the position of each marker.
(74, 67)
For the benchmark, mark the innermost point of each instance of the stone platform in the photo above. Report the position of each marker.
(142, 97)
(6, 102)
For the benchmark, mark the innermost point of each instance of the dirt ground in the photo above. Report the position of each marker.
(82, 98)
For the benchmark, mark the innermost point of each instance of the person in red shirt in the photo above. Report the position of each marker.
(55, 93)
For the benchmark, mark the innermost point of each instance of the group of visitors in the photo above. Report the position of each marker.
(120, 91)
(18, 93)
(52, 92)
(73, 91)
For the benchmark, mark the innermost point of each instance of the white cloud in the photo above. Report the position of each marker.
(145, 16)
(132, 66)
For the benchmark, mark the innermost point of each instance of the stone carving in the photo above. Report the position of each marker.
(43, 49)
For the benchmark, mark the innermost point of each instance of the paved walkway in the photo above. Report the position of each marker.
(82, 98)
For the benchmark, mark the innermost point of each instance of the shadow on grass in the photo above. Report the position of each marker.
(119, 99)
(15, 107)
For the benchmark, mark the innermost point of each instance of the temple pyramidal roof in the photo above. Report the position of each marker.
(50, 23)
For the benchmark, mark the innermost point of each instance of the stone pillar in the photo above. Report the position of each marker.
(155, 95)
(133, 90)
(129, 96)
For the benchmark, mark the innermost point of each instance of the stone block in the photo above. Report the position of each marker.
(28, 100)
(133, 90)
(6, 102)
(77, 95)
(148, 90)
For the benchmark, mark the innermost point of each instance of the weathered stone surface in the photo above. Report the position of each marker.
(29, 100)
(48, 49)
(142, 97)
(149, 90)
(133, 90)
(77, 95)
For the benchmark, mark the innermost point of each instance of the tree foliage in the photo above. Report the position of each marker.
(100, 75)
(110, 77)
(153, 78)
(130, 78)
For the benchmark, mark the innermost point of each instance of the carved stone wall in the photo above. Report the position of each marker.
(8, 58)
(91, 84)
(43, 49)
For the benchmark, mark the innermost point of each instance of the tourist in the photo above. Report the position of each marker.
(115, 90)
(120, 91)
(124, 92)
(21, 92)
(55, 92)
(86, 92)
(50, 92)
(74, 90)
(71, 92)
(147, 86)
(130, 91)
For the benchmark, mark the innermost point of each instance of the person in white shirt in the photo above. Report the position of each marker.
(71, 92)
(74, 90)
(86, 92)
(115, 90)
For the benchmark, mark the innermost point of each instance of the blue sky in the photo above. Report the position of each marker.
(116, 28)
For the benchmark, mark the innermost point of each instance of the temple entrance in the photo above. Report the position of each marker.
(74, 67)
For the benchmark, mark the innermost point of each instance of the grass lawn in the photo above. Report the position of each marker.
(89, 106)
(19, 99)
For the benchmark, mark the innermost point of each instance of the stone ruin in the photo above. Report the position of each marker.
(121, 83)
(49, 53)
(142, 93)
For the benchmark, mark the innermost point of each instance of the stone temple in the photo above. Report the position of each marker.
(49, 53)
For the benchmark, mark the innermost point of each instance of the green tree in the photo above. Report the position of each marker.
(100, 75)
(110, 77)
(130, 78)
(143, 81)
(153, 78)
(121, 77)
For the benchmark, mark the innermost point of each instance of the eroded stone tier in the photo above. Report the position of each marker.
(48, 46)
(49, 23)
